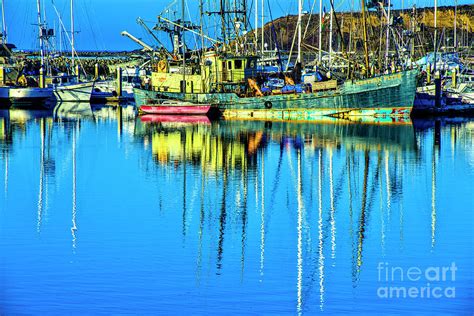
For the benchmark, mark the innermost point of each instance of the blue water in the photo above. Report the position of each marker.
(101, 213)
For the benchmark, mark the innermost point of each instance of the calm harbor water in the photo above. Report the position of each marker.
(102, 212)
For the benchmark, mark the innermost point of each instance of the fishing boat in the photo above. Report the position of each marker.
(229, 79)
(173, 107)
(18, 88)
(386, 95)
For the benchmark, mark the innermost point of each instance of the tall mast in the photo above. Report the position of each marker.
(256, 26)
(263, 26)
(72, 35)
(40, 29)
(300, 10)
(435, 30)
(4, 25)
(413, 21)
(366, 49)
(320, 30)
(222, 13)
(183, 45)
(201, 22)
(330, 35)
(387, 36)
(455, 45)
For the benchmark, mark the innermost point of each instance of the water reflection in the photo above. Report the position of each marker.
(304, 209)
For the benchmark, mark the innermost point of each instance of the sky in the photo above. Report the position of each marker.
(98, 23)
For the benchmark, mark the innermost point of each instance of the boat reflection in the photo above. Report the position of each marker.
(335, 186)
(357, 166)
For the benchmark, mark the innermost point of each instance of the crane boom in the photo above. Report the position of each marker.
(145, 46)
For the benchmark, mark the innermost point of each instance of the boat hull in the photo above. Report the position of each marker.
(29, 96)
(80, 92)
(184, 119)
(175, 109)
(387, 95)
(20, 93)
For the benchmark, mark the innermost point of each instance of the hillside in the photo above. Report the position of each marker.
(351, 26)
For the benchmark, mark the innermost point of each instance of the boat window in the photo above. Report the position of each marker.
(238, 64)
(230, 64)
(223, 65)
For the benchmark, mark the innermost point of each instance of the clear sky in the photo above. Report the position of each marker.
(100, 22)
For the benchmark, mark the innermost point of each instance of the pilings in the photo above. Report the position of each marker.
(42, 79)
(96, 71)
(119, 82)
(437, 90)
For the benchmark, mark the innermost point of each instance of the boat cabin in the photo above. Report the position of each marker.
(61, 80)
(216, 72)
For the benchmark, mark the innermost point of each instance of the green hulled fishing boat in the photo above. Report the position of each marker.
(228, 78)
(229, 91)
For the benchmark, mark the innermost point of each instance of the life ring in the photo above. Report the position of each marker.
(162, 66)
(268, 104)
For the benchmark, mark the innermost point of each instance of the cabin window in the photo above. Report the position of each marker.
(229, 63)
(238, 64)
(223, 65)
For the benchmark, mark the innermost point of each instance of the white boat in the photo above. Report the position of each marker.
(130, 79)
(29, 95)
(68, 89)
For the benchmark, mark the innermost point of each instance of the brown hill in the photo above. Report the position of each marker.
(351, 28)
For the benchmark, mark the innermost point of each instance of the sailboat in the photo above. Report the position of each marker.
(230, 83)
(69, 88)
(33, 91)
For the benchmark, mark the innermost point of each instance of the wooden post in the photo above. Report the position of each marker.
(2, 76)
(119, 81)
(78, 73)
(41, 78)
(96, 71)
(437, 89)
(454, 77)
(428, 73)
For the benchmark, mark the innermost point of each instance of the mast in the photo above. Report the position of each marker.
(72, 35)
(40, 30)
(300, 10)
(412, 46)
(4, 25)
(387, 37)
(366, 49)
(435, 30)
(256, 26)
(183, 46)
(263, 26)
(455, 45)
(222, 13)
(201, 22)
(330, 35)
(320, 30)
